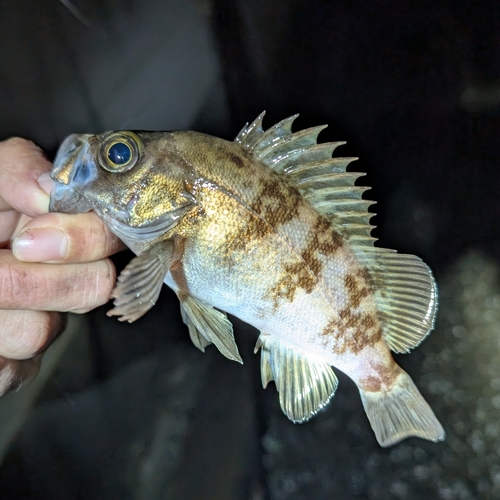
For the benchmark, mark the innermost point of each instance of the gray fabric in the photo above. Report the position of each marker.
(146, 64)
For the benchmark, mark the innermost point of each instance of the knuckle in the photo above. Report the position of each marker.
(12, 284)
(21, 286)
(34, 333)
(97, 286)
(17, 142)
(27, 333)
(54, 287)
(91, 240)
(17, 147)
(13, 373)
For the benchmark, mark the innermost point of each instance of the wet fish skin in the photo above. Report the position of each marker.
(272, 229)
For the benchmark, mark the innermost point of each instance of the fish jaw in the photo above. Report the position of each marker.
(131, 235)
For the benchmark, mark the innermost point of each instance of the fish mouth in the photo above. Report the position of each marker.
(74, 168)
(66, 200)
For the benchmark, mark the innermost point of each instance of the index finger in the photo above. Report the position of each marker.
(21, 164)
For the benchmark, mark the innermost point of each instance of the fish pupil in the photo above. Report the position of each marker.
(119, 153)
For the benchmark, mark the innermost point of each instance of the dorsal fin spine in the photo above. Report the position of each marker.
(250, 134)
(281, 129)
(342, 179)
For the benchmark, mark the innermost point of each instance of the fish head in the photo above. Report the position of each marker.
(135, 181)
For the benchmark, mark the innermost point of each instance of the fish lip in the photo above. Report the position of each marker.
(66, 199)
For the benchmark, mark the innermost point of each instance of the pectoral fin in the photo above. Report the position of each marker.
(305, 384)
(211, 324)
(139, 284)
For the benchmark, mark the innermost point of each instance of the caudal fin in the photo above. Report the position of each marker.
(400, 413)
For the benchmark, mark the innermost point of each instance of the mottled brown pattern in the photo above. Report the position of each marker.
(321, 244)
(364, 326)
(265, 200)
(364, 274)
(295, 276)
(276, 201)
(357, 288)
(249, 230)
(237, 160)
(367, 331)
(322, 241)
(384, 380)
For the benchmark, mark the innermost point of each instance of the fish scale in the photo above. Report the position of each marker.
(271, 229)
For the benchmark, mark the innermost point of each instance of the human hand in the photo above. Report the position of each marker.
(49, 263)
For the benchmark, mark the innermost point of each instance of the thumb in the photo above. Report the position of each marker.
(21, 165)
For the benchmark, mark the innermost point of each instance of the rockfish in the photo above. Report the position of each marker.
(271, 229)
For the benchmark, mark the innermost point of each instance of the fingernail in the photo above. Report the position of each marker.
(45, 182)
(40, 245)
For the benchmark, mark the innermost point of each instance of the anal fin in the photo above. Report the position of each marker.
(305, 384)
(211, 324)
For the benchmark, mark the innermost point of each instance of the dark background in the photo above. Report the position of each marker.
(134, 411)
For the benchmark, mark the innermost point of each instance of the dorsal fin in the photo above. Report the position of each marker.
(309, 166)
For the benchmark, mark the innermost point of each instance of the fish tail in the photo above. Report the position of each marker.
(401, 412)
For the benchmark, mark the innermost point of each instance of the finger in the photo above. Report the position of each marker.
(21, 164)
(15, 373)
(64, 238)
(8, 223)
(27, 333)
(48, 287)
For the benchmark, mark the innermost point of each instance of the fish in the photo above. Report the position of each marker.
(270, 228)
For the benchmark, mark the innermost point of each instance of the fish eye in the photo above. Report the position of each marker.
(120, 152)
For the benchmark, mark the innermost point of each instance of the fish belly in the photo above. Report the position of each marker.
(255, 287)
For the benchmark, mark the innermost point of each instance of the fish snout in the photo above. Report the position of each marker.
(73, 168)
